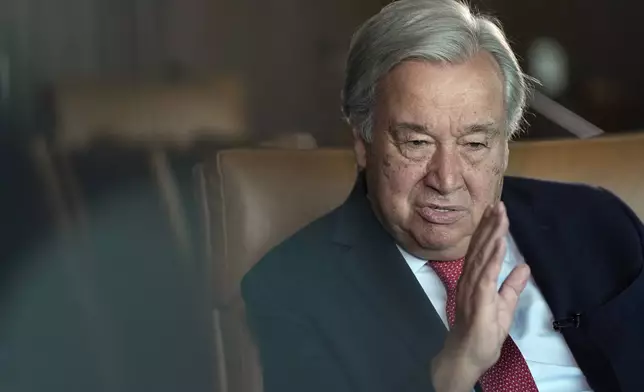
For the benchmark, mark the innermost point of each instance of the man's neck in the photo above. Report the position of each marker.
(455, 252)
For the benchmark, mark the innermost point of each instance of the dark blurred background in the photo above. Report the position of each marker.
(107, 105)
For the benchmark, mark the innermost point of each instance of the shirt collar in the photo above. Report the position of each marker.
(416, 264)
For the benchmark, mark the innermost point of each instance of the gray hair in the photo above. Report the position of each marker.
(444, 31)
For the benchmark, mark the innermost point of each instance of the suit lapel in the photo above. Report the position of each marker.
(385, 281)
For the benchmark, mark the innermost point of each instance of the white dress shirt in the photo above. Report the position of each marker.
(548, 357)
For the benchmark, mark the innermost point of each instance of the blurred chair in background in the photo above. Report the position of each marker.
(117, 173)
(121, 130)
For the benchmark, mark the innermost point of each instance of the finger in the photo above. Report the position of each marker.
(513, 286)
(483, 230)
(483, 245)
(500, 230)
(473, 264)
(490, 276)
(484, 226)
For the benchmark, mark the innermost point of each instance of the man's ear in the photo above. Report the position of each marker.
(506, 155)
(360, 149)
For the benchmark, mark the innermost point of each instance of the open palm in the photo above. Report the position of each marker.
(483, 313)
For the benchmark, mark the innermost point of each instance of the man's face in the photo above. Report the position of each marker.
(438, 153)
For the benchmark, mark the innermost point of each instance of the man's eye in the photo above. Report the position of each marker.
(417, 143)
(476, 146)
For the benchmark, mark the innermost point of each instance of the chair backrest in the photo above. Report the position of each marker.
(123, 129)
(615, 163)
(254, 199)
(170, 114)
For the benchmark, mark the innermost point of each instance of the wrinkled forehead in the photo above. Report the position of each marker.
(434, 94)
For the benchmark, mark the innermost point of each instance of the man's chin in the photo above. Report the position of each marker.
(443, 239)
(437, 244)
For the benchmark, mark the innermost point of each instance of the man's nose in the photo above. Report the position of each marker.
(444, 171)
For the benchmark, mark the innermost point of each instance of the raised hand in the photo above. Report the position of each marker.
(483, 313)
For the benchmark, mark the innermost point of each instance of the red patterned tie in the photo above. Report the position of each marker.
(511, 372)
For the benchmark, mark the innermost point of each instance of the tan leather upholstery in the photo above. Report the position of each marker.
(615, 163)
(297, 140)
(256, 198)
(165, 113)
(148, 120)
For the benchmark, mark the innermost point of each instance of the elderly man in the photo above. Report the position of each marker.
(437, 273)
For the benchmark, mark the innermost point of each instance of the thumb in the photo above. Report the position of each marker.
(514, 285)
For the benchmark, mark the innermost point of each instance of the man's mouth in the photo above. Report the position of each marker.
(446, 207)
(441, 214)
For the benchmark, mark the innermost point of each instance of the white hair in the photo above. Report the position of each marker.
(444, 31)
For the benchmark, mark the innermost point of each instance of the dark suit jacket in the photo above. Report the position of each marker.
(336, 308)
